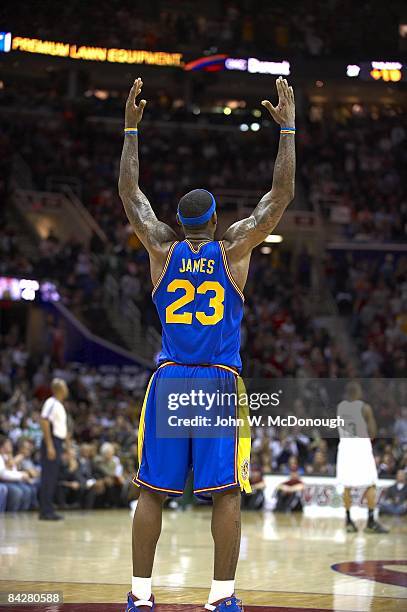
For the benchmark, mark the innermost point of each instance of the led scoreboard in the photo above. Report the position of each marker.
(377, 71)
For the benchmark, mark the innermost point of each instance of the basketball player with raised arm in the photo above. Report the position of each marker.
(198, 292)
(355, 463)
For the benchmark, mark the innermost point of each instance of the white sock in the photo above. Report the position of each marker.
(141, 587)
(221, 589)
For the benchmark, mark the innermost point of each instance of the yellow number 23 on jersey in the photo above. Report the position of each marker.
(215, 302)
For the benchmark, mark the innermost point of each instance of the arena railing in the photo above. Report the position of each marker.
(87, 218)
(51, 211)
(125, 317)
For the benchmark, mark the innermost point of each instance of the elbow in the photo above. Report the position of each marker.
(287, 199)
(291, 195)
(123, 186)
(127, 191)
(283, 197)
(125, 195)
(288, 192)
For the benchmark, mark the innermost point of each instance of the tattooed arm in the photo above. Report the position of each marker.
(155, 235)
(241, 237)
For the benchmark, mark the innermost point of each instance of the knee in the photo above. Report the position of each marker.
(152, 497)
(231, 496)
(14, 498)
(26, 496)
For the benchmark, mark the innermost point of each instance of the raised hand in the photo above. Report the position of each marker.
(284, 112)
(134, 113)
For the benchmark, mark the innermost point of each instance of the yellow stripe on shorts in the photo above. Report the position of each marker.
(141, 426)
(245, 441)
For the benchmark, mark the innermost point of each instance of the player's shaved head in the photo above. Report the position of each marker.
(353, 390)
(194, 204)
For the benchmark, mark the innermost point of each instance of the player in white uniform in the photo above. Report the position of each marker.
(355, 463)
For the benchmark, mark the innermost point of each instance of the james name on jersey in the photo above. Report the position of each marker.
(197, 265)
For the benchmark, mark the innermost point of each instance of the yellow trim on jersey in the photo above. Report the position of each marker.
(167, 261)
(141, 427)
(196, 248)
(167, 363)
(228, 272)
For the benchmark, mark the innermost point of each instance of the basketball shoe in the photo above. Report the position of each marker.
(139, 605)
(229, 604)
(375, 527)
(350, 526)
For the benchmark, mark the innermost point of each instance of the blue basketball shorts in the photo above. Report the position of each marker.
(219, 462)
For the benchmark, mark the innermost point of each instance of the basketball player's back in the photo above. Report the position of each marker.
(351, 411)
(355, 463)
(199, 305)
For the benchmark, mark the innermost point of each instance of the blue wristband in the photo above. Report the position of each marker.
(287, 130)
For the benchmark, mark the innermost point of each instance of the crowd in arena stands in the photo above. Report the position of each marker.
(308, 27)
(371, 289)
(280, 337)
(352, 165)
(339, 157)
(100, 457)
(394, 500)
(103, 411)
(89, 154)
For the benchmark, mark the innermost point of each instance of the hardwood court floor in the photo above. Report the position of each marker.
(286, 562)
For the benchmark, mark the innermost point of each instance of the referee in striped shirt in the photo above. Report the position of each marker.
(54, 429)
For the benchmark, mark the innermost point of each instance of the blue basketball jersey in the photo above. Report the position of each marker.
(199, 305)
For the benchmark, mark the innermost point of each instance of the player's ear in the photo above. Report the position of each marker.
(214, 219)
